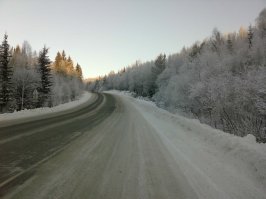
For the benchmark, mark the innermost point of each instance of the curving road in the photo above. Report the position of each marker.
(116, 148)
(26, 144)
(120, 158)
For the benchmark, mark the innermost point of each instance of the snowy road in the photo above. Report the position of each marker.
(28, 142)
(140, 151)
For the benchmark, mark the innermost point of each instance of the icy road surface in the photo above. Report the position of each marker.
(140, 151)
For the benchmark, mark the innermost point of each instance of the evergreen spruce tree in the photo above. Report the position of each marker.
(63, 55)
(160, 64)
(6, 72)
(230, 44)
(79, 72)
(58, 58)
(250, 36)
(58, 63)
(45, 71)
(194, 51)
(70, 67)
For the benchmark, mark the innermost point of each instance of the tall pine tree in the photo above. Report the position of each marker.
(6, 72)
(159, 66)
(63, 55)
(57, 61)
(250, 36)
(45, 71)
(79, 72)
(69, 66)
(229, 44)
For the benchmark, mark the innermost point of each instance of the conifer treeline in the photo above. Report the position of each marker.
(65, 66)
(28, 80)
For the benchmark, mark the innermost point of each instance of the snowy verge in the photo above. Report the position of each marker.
(229, 163)
(31, 113)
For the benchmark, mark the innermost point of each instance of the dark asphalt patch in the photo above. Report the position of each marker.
(18, 155)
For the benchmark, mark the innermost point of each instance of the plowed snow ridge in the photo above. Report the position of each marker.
(46, 110)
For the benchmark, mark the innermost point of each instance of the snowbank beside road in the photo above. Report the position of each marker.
(217, 164)
(46, 110)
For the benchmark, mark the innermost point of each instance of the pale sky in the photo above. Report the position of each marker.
(105, 35)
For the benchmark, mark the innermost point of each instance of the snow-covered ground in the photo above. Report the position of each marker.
(142, 151)
(46, 110)
(216, 164)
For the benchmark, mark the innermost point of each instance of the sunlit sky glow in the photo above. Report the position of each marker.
(105, 35)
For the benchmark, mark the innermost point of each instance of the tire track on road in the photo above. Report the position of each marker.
(20, 156)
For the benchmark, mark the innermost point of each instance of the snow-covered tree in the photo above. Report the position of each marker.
(78, 70)
(26, 82)
(220, 81)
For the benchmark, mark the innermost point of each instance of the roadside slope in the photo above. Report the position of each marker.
(217, 164)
